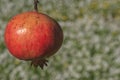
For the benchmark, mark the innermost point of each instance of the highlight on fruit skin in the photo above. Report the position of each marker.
(33, 36)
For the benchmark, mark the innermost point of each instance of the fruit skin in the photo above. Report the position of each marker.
(32, 36)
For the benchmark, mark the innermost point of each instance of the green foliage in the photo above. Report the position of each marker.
(91, 48)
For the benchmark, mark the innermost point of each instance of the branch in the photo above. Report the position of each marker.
(35, 5)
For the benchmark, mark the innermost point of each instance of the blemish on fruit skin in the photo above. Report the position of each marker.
(22, 31)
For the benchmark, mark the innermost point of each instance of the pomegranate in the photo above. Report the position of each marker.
(33, 36)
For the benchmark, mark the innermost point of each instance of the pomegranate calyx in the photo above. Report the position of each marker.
(39, 62)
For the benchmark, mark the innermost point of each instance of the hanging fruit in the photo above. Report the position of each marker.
(33, 36)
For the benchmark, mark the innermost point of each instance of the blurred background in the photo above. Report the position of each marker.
(91, 48)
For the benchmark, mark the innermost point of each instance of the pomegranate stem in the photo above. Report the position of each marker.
(35, 5)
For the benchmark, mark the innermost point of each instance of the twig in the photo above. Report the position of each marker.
(35, 5)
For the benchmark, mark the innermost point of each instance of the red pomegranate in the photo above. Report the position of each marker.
(33, 36)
